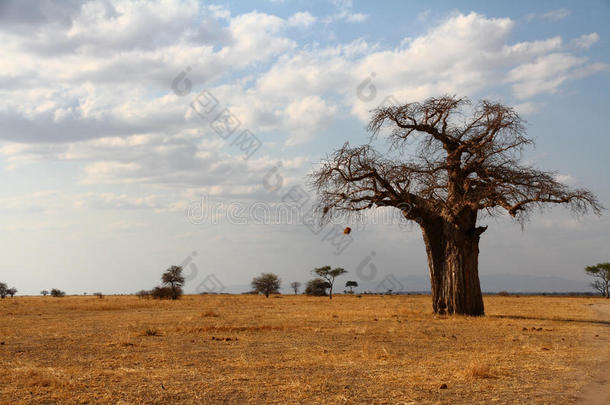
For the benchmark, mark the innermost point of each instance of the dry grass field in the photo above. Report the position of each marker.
(295, 349)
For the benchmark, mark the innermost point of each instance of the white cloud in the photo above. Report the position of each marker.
(356, 17)
(527, 108)
(547, 73)
(585, 41)
(556, 15)
(551, 15)
(301, 19)
(567, 179)
(345, 12)
(106, 102)
(305, 117)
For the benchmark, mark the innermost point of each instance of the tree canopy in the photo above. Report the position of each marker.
(601, 278)
(173, 278)
(267, 283)
(459, 164)
(329, 275)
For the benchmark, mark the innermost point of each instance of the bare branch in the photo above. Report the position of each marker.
(461, 166)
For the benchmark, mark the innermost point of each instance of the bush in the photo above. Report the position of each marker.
(57, 293)
(98, 294)
(503, 294)
(316, 287)
(166, 293)
(151, 332)
(144, 294)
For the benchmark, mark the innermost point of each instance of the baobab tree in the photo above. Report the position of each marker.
(448, 162)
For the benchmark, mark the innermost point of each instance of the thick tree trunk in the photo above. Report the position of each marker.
(453, 257)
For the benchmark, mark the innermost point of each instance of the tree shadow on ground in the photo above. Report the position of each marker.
(538, 318)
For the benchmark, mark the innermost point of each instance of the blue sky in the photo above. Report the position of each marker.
(101, 159)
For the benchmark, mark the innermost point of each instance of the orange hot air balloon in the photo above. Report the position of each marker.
(347, 230)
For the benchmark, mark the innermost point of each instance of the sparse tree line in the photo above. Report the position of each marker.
(55, 292)
(321, 285)
(269, 283)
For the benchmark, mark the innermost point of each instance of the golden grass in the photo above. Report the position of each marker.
(249, 349)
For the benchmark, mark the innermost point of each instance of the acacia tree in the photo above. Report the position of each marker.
(329, 275)
(3, 290)
(266, 283)
(601, 274)
(443, 169)
(351, 284)
(295, 285)
(174, 279)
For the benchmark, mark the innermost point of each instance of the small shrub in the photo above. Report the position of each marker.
(166, 293)
(57, 293)
(503, 294)
(98, 295)
(151, 332)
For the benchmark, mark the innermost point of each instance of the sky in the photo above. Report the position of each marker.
(139, 135)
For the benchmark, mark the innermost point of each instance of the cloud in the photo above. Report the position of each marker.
(111, 200)
(103, 98)
(301, 19)
(548, 72)
(345, 12)
(465, 54)
(527, 108)
(31, 203)
(305, 117)
(115, 81)
(551, 15)
(556, 15)
(567, 179)
(585, 41)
